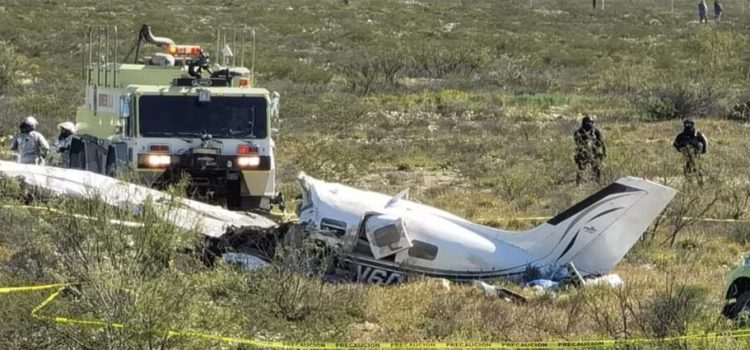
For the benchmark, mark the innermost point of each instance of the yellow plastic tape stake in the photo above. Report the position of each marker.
(35, 311)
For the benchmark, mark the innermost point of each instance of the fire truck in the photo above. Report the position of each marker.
(173, 113)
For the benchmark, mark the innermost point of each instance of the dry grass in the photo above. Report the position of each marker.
(476, 117)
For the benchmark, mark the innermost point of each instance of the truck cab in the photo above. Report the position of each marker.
(176, 116)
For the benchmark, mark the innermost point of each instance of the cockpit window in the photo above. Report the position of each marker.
(423, 250)
(387, 235)
(334, 225)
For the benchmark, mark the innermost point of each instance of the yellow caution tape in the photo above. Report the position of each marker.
(555, 344)
(79, 216)
(293, 217)
(7, 290)
(528, 218)
(713, 220)
(541, 218)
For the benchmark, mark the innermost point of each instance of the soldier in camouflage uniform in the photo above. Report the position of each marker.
(31, 146)
(691, 143)
(63, 141)
(590, 149)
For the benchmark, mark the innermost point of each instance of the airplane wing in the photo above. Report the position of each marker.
(208, 219)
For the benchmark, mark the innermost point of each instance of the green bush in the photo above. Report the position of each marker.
(740, 112)
(681, 102)
(669, 312)
(440, 60)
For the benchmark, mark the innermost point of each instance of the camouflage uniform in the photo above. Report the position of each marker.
(691, 143)
(590, 149)
(63, 141)
(31, 147)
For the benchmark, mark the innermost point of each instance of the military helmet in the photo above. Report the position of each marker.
(69, 126)
(587, 121)
(30, 122)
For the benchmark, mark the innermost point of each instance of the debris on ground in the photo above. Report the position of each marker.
(246, 261)
(612, 280)
(498, 292)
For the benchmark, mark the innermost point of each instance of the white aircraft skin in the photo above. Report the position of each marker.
(208, 219)
(389, 237)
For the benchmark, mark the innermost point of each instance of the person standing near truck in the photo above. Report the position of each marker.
(63, 141)
(31, 145)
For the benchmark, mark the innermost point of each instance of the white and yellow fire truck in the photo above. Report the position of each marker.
(176, 114)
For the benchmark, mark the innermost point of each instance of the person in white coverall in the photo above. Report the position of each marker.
(31, 146)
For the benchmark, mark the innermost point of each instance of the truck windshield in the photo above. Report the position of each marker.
(222, 117)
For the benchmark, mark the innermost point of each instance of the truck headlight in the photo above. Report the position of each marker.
(158, 160)
(248, 161)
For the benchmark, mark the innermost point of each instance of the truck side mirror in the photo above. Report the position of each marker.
(125, 106)
(275, 100)
(125, 114)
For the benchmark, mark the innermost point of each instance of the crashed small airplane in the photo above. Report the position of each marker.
(383, 239)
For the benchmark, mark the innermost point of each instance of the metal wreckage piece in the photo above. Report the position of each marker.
(211, 221)
(381, 239)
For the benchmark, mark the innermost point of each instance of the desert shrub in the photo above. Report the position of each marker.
(291, 297)
(440, 60)
(362, 74)
(669, 312)
(13, 71)
(374, 68)
(717, 52)
(611, 310)
(680, 102)
(310, 79)
(127, 275)
(19, 331)
(122, 274)
(740, 233)
(13, 67)
(740, 112)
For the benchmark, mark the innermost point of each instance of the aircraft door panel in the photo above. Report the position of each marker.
(387, 235)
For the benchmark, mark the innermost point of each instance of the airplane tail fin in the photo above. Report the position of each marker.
(596, 233)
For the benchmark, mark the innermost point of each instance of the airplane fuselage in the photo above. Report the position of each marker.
(384, 238)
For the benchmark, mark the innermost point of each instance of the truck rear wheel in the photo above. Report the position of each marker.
(733, 311)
